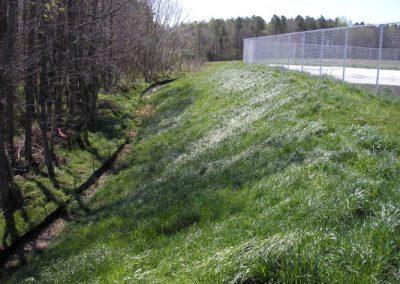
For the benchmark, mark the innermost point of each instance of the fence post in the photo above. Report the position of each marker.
(255, 52)
(289, 49)
(268, 49)
(304, 51)
(322, 52)
(379, 57)
(346, 41)
(248, 52)
(278, 49)
(244, 51)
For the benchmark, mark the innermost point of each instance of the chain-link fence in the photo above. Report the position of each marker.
(367, 55)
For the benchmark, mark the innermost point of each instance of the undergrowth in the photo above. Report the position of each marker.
(37, 195)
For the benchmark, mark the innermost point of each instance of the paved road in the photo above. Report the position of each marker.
(355, 75)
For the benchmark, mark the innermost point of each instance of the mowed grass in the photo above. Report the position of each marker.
(245, 174)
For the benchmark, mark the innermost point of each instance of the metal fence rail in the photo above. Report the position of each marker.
(360, 54)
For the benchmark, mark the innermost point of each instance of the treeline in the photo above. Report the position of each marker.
(221, 39)
(55, 57)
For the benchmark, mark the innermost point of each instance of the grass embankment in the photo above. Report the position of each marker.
(41, 198)
(245, 173)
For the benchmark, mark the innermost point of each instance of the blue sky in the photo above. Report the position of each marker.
(370, 11)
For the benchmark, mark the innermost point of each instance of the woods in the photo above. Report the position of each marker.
(56, 56)
(220, 39)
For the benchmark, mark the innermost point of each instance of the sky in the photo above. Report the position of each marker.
(369, 11)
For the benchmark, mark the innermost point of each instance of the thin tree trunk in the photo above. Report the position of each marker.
(43, 94)
(43, 121)
(29, 84)
(94, 81)
(60, 66)
(71, 55)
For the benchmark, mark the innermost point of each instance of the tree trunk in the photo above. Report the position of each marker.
(4, 173)
(5, 181)
(94, 81)
(43, 95)
(3, 19)
(29, 84)
(8, 77)
(71, 55)
(4, 168)
(60, 67)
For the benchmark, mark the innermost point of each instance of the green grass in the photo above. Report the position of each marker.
(245, 173)
(41, 198)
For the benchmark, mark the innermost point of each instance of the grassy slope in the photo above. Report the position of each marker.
(41, 197)
(246, 173)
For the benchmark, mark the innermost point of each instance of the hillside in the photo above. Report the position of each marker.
(242, 174)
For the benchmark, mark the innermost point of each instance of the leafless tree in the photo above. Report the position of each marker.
(56, 56)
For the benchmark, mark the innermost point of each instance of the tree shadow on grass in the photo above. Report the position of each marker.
(18, 204)
(76, 177)
(183, 190)
(81, 205)
(10, 230)
(111, 125)
(49, 195)
(95, 152)
(75, 197)
(174, 108)
(53, 180)
(11, 234)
